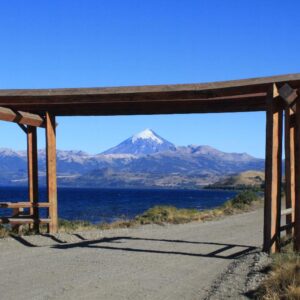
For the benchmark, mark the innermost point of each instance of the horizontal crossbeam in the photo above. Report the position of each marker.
(23, 204)
(227, 96)
(21, 117)
(22, 220)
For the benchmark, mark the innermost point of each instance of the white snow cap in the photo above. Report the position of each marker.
(145, 135)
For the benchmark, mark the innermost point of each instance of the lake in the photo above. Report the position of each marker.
(108, 205)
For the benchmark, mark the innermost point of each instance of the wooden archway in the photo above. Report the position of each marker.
(278, 96)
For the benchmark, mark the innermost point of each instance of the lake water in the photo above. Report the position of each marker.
(107, 205)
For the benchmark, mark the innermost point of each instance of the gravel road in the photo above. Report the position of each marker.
(149, 262)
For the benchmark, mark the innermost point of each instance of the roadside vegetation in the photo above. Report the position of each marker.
(244, 201)
(283, 281)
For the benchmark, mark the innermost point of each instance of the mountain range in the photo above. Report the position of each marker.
(145, 160)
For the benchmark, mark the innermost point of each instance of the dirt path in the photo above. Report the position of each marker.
(150, 262)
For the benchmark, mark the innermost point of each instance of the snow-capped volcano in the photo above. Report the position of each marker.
(144, 142)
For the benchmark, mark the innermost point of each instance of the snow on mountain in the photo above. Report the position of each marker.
(147, 134)
(137, 161)
(143, 143)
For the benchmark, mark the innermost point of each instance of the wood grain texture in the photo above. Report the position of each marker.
(23, 204)
(226, 96)
(290, 192)
(297, 177)
(273, 172)
(32, 162)
(51, 171)
(20, 117)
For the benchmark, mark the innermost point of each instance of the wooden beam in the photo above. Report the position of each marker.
(273, 172)
(211, 89)
(163, 99)
(289, 167)
(243, 103)
(21, 220)
(297, 177)
(23, 204)
(51, 171)
(288, 94)
(32, 161)
(21, 117)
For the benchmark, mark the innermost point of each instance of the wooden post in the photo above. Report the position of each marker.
(273, 172)
(297, 177)
(51, 171)
(32, 161)
(289, 167)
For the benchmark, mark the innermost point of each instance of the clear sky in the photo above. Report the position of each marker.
(88, 43)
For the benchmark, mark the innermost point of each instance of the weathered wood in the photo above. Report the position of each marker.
(20, 117)
(288, 94)
(23, 204)
(22, 220)
(289, 167)
(297, 177)
(32, 162)
(177, 106)
(273, 172)
(287, 211)
(51, 171)
(220, 88)
(287, 227)
(105, 100)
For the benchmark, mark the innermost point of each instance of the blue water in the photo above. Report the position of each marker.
(107, 205)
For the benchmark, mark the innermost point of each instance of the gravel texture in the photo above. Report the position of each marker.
(213, 260)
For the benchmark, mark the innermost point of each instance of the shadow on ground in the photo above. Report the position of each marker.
(234, 249)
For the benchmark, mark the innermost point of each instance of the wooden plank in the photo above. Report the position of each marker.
(111, 106)
(273, 172)
(287, 211)
(288, 94)
(51, 171)
(212, 89)
(236, 95)
(22, 220)
(23, 204)
(20, 117)
(287, 227)
(289, 166)
(297, 177)
(32, 162)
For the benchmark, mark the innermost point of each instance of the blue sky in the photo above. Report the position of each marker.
(108, 43)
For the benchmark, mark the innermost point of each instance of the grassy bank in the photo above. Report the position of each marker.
(244, 201)
(157, 215)
(283, 281)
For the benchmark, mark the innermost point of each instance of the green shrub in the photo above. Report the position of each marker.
(242, 200)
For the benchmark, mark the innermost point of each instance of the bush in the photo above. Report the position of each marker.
(169, 214)
(241, 201)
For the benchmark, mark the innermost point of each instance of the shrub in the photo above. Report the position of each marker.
(241, 201)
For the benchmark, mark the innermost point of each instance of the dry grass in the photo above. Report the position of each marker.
(4, 231)
(283, 282)
(156, 215)
(73, 226)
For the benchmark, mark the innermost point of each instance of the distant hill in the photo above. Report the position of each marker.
(244, 179)
(144, 160)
